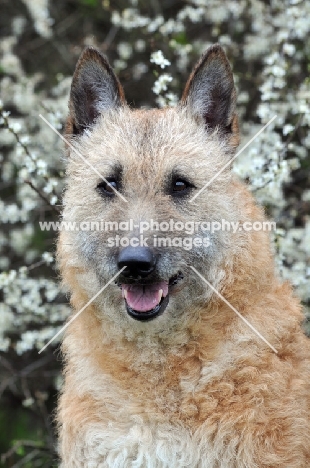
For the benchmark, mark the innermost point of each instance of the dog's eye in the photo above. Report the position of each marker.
(106, 187)
(180, 187)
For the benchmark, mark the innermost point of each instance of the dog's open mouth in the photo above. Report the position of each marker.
(147, 301)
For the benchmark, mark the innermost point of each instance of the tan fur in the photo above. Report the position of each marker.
(195, 387)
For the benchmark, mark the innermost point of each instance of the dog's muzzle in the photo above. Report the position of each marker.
(144, 299)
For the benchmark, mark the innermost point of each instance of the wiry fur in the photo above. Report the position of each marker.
(195, 387)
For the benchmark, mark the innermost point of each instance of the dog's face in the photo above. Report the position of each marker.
(133, 174)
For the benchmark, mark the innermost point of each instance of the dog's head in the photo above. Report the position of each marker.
(144, 187)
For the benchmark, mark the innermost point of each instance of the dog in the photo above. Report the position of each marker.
(160, 371)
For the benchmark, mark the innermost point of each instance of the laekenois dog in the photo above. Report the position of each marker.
(160, 371)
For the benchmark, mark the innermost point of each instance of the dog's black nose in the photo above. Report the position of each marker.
(140, 261)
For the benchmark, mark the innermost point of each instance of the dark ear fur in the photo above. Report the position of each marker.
(210, 93)
(94, 89)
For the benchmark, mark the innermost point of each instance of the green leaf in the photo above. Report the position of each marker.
(90, 3)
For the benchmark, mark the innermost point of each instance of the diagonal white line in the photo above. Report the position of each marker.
(235, 310)
(82, 157)
(232, 159)
(83, 308)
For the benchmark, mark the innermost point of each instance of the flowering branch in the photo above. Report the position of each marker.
(54, 207)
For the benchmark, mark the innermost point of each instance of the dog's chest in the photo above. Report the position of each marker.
(137, 445)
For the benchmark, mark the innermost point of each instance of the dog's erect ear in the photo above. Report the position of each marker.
(210, 93)
(94, 89)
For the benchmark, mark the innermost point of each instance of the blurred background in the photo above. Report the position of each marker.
(152, 46)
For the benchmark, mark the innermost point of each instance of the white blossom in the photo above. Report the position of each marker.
(159, 59)
(40, 14)
(125, 50)
(47, 257)
(288, 128)
(161, 84)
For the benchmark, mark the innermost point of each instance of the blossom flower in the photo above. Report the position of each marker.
(161, 83)
(159, 59)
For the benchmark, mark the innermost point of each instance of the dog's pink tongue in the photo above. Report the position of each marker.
(142, 298)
